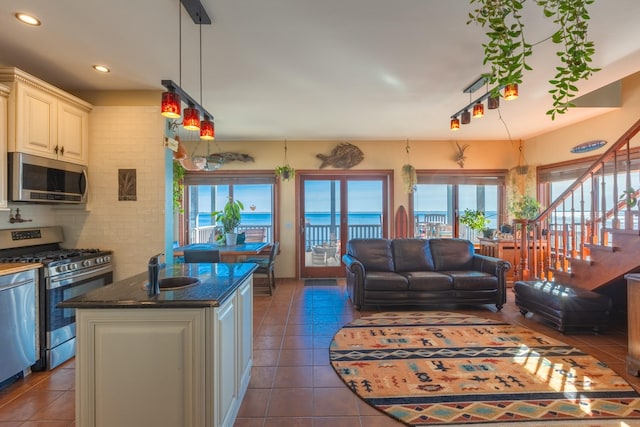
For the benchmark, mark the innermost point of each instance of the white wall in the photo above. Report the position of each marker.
(128, 137)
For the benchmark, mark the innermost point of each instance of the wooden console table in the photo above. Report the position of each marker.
(508, 250)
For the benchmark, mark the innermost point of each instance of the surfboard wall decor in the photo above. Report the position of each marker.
(588, 146)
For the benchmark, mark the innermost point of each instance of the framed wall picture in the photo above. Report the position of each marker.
(127, 184)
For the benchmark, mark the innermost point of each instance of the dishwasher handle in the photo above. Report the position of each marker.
(15, 284)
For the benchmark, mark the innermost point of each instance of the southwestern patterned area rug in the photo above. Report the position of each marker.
(440, 368)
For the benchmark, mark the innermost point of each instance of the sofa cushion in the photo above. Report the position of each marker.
(451, 254)
(385, 281)
(374, 254)
(428, 281)
(472, 280)
(411, 255)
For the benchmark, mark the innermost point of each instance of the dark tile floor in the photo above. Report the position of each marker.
(292, 383)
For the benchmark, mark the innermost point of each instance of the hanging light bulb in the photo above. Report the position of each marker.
(170, 106)
(455, 124)
(207, 129)
(191, 120)
(511, 91)
(478, 110)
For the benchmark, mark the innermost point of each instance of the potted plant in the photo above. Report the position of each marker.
(285, 172)
(229, 217)
(525, 207)
(630, 197)
(475, 220)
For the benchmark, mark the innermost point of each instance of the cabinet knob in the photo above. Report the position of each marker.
(55, 150)
(62, 151)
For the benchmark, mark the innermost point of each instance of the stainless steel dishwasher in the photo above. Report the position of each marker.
(18, 333)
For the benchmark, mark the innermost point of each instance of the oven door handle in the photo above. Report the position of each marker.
(16, 284)
(55, 282)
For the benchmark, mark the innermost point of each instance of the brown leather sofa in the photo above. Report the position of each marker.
(418, 272)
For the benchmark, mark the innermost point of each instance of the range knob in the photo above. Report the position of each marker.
(61, 268)
(73, 266)
(86, 263)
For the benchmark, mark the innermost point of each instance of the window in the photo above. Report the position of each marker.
(206, 193)
(442, 196)
(555, 178)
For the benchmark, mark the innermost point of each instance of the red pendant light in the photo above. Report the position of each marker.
(207, 130)
(478, 110)
(511, 91)
(465, 117)
(170, 106)
(455, 124)
(493, 102)
(191, 119)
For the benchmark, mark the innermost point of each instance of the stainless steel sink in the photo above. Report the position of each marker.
(178, 282)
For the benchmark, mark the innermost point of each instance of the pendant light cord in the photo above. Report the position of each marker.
(200, 26)
(180, 41)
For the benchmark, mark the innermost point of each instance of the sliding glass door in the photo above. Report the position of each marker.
(334, 210)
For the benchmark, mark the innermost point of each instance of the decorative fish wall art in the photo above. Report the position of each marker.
(343, 156)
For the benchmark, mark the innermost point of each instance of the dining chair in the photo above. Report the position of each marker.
(265, 266)
(201, 255)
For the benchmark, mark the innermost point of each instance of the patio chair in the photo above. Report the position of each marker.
(201, 256)
(265, 266)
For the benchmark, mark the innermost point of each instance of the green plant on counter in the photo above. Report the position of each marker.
(178, 186)
(629, 196)
(229, 216)
(525, 207)
(474, 219)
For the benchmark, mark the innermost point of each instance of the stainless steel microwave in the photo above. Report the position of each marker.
(41, 180)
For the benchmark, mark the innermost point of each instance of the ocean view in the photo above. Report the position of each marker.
(324, 218)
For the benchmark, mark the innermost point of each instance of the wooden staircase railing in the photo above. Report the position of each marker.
(582, 220)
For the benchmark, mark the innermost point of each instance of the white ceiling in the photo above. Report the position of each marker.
(310, 69)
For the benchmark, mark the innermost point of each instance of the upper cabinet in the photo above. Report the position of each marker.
(44, 120)
(4, 96)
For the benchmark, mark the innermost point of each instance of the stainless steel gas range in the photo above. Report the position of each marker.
(66, 273)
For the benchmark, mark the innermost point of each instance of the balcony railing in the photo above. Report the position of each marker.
(326, 234)
(207, 233)
(315, 234)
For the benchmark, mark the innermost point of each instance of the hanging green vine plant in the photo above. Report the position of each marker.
(178, 186)
(507, 49)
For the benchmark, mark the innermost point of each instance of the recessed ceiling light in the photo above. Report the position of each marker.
(25, 18)
(101, 68)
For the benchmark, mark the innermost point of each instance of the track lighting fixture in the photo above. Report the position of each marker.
(476, 106)
(172, 98)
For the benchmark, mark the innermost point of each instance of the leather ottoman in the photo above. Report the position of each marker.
(563, 306)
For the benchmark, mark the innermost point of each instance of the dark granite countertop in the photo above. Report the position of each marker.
(217, 283)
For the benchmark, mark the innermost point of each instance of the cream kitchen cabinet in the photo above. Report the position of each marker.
(44, 120)
(4, 96)
(164, 367)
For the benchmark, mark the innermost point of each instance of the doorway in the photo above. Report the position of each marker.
(334, 208)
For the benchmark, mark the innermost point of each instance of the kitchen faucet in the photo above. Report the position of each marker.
(154, 269)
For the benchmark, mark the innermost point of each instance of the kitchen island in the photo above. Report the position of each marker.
(180, 358)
